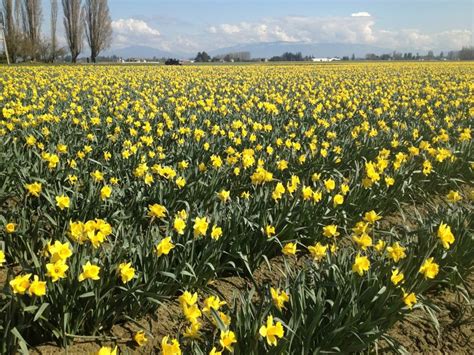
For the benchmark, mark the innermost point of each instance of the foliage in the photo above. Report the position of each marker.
(123, 187)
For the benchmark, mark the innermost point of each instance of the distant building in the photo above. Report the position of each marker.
(326, 59)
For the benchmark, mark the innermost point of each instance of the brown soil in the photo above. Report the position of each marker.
(3, 277)
(418, 334)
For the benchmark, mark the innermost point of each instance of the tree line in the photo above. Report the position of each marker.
(466, 53)
(228, 57)
(82, 19)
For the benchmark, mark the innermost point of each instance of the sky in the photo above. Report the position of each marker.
(192, 25)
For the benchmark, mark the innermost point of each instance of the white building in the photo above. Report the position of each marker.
(325, 59)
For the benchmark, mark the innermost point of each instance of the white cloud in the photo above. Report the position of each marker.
(455, 38)
(414, 39)
(297, 29)
(361, 14)
(133, 31)
(358, 28)
(229, 29)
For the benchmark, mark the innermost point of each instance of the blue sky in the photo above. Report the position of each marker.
(191, 25)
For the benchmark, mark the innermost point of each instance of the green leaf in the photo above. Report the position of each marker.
(23, 344)
(40, 311)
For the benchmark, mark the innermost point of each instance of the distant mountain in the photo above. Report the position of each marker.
(270, 49)
(144, 52)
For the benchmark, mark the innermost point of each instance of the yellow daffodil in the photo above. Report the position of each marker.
(371, 217)
(164, 246)
(179, 225)
(192, 313)
(172, 348)
(214, 351)
(272, 331)
(279, 298)
(126, 272)
(429, 268)
(361, 265)
(106, 350)
(37, 287)
(200, 226)
(193, 331)
(330, 185)
(105, 192)
(330, 231)
(157, 211)
(379, 246)
(10, 228)
(188, 298)
(445, 235)
(409, 299)
(338, 200)
(453, 196)
(56, 270)
(224, 195)
(269, 231)
(318, 251)
(89, 271)
(34, 189)
(140, 338)
(2, 257)
(396, 252)
(212, 302)
(59, 251)
(278, 191)
(20, 284)
(62, 201)
(289, 249)
(396, 277)
(227, 340)
(216, 232)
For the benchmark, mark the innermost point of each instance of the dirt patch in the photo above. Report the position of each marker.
(167, 320)
(3, 277)
(418, 334)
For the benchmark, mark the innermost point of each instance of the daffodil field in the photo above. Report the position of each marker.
(122, 187)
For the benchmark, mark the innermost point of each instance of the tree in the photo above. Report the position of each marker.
(202, 57)
(397, 55)
(451, 55)
(98, 26)
(11, 29)
(73, 24)
(466, 53)
(54, 21)
(31, 16)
